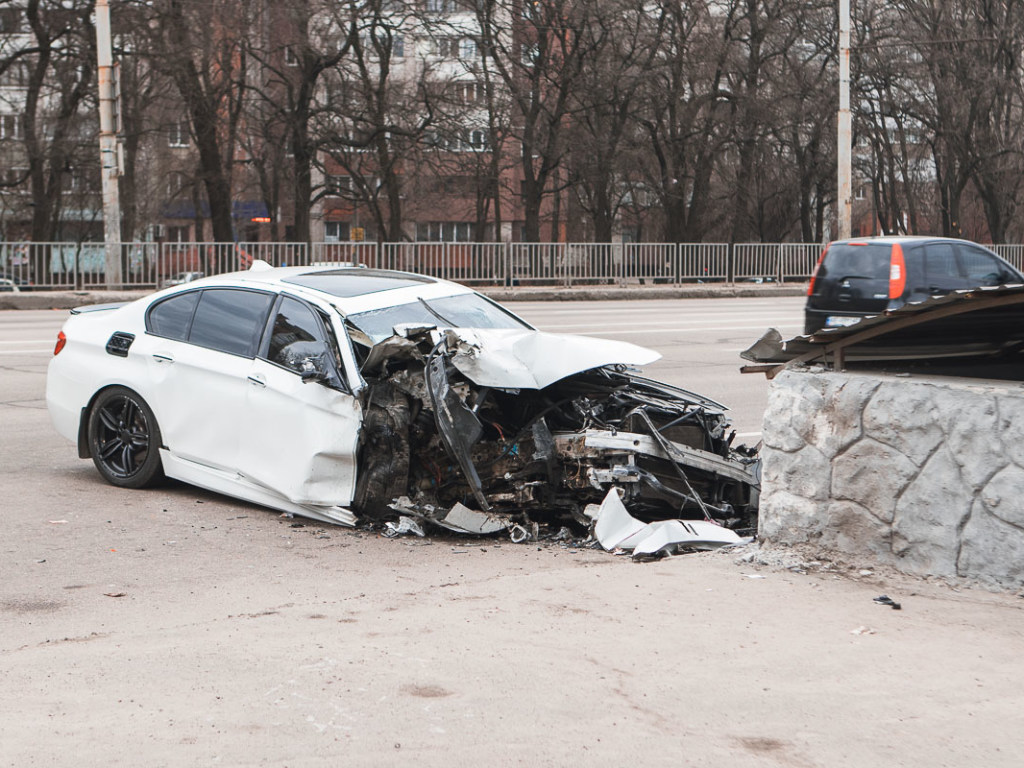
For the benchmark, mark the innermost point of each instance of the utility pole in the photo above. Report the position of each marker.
(844, 148)
(110, 167)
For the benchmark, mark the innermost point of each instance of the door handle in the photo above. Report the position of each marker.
(255, 378)
(161, 357)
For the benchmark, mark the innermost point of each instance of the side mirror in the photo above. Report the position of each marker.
(314, 369)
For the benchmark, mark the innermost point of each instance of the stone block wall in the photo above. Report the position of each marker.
(925, 474)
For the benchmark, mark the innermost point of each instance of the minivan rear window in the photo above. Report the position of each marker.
(866, 262)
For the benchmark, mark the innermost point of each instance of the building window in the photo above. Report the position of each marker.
(337, 186)
(336, 231)
(16, 75)
(442, 6)
(290, 58)
(11, 127)
(13, 177)
(444, 231)
(476, 140)
(467, 48)
(468, 92)
(12, 21)
(177, 134)
(398, 46)
(177, 235)
(177, 183)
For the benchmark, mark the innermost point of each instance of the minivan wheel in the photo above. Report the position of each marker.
(124, 439)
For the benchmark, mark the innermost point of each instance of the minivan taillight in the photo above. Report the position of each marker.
(814, 274)
(897, 272)
(61, 341)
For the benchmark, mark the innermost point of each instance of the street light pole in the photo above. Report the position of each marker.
(844, 148)
(109, 164)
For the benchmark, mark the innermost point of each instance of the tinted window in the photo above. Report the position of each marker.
(941, 261)
(230, 320)
(171, 317)
(981, 267)
(296, 335)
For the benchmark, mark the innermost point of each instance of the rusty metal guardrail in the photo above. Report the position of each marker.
(80, 266)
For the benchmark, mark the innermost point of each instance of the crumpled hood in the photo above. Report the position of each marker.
(524, 359)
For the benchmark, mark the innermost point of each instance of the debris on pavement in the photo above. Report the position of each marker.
(403, 527)
(886, 600)
(615, 528)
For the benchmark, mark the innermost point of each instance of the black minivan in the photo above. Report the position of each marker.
(863, 277)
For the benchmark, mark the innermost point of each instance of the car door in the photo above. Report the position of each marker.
(302, 430)
(201, 348)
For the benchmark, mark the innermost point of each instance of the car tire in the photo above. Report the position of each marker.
(124, 439)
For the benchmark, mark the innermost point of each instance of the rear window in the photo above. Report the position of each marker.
(864, 262)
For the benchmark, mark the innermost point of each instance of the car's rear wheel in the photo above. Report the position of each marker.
(124, 439)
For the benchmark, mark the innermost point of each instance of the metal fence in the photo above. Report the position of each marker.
(53, 266)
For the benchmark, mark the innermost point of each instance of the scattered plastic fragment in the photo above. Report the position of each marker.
(518, 534)
(886, 600)
(58, 522)
(754, 576)
(115, 594)
(866, 572)
(862, 631)
(403, 527)
(615, 528)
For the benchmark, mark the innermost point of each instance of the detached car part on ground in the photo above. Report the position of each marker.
(329, 392)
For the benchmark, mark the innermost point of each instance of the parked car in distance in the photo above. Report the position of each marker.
(865, 276)
(181, 278)
(8, 286)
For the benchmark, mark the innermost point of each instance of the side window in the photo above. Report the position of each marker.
(942, 270)
(230, 320)
(981, 267)
(172, 317)
(295, 337)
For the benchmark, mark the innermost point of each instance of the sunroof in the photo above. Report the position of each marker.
(346, 283)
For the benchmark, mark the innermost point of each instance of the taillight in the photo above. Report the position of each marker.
(814, 274)
(897, 272)
(61, 341)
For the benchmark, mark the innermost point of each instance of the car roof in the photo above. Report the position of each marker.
(904, 239)
(351, 289)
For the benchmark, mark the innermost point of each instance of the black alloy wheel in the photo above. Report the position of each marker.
(124, 439)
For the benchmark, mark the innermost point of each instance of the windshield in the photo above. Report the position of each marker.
(467, 310)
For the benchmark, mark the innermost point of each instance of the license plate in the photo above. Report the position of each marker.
(840, 321)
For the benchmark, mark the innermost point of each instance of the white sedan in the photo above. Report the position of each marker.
(328, 392)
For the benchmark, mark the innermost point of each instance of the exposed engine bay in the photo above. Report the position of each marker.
(441, 447)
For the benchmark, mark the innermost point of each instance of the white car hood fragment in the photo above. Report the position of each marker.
(615, 528)
(526, 359)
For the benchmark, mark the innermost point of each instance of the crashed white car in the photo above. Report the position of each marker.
(336, 392)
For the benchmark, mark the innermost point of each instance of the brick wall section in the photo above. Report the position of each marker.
(923, 474)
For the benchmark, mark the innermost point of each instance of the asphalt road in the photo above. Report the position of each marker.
(174, 627)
